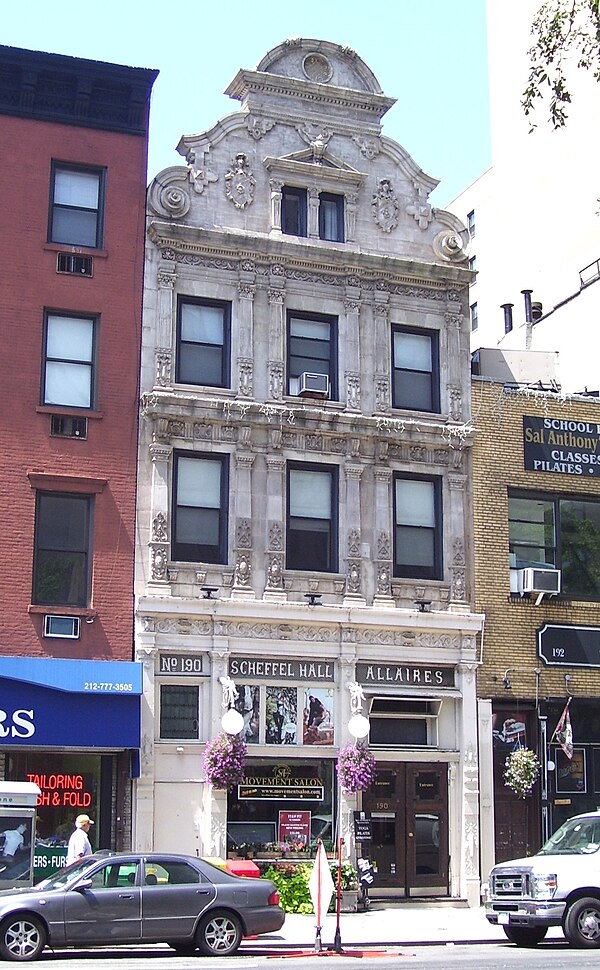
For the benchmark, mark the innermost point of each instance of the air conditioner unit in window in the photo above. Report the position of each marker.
(538, 581)
(65, 627)
(313, 385)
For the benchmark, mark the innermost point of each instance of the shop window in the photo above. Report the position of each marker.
(200, 508)
(179, 712)
(396, 722)
(203, 341)
(560, 533)
(76, 206)
(312, 350)
(62, 550)
(415, 363)
(69, 360)
(286, 715)
(417, 527)
(312, 518)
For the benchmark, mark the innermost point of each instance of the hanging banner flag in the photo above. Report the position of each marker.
(564, 732)
(320, 885)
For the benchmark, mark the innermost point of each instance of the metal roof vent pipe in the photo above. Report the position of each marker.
(508, 319)
(528, 320)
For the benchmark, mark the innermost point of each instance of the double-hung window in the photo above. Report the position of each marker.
(68, 378)
(294, 207)
(417, 527)
(62, 554)
(76, 206)
(331, 217)
(200, 508)
(546, 531)
(312, 518)
(415, 366)
(312, 349)
(203, 336)
(179, 712)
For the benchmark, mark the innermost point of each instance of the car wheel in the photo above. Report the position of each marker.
(582, 923)
(525, 935)
(22, 937)
(219, 934)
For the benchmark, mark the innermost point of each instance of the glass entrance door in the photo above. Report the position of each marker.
(408, 804)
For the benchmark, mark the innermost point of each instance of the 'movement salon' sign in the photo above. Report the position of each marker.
(561, 446)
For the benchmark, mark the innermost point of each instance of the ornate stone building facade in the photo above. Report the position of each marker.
(304, 505)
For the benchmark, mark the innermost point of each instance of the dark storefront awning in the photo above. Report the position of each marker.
(69, 703)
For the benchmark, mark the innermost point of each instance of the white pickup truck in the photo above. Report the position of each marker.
(559, 886)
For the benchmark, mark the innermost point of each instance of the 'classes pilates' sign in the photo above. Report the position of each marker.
(561, 446)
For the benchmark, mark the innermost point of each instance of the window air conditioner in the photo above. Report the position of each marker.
(65, 627)
(313, 384)
(539, 581)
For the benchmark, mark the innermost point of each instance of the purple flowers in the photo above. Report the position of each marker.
(355, 768)
(224, 761)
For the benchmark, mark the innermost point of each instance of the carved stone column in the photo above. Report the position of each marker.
(352, 353)
(383, 525)
(274, 540)
(459, 585)
(470, 876)
(163, 368)
(245, 333)
(159, 545)
(143, 792)
(276, 389)
(351, 199)
(276, 187)
(383, 396)
(313, 213)
(242, 572)
(354, 593)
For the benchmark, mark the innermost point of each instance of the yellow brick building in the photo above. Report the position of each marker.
(536, 497)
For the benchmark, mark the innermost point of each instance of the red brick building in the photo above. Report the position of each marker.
(72, 194)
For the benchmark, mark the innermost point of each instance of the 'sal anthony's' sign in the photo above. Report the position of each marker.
(561, 446)
(405, 675)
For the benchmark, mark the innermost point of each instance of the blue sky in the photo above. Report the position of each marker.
(429, 54)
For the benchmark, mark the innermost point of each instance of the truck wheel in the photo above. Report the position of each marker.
(582, 923)
(525, 935)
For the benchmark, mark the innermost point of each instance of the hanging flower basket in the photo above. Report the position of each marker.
(224, 761)
(355, 768)
(521, 771)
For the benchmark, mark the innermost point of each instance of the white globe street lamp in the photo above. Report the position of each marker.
(232, 721)
(359, 726)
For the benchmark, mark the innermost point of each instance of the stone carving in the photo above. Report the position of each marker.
(459, 552)
(383, 579)
(417, 453)
(275, 573)
(458, 584)
(163, 367)
(166, 280)
(258, 127)
(240, 182)
(175, 429)
(243, 538)
(385, 206)
(275, 296)
(382, 394)
(369, 147)
(313, 442)
(243, 569)
(451, 246)
(158, 556)
(198, 172)
(246, 376)
(353, 580)
(353, 542)
(172, 575)
(159, 528)
(317, 138)
(202, 432)
(383, 545)
(317, 68)
(247, 291)
(420, 209)
(275, 536)
(455, 402)
(169, 194)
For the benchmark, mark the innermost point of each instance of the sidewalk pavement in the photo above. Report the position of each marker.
(390, 924)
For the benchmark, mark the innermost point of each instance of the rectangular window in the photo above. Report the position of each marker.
(473, 266)
(294, 207)
(331, 217)
(200, 509)
(471, 222)
(69, 361)
(417, 527)
(558, 533)
(179, 712)
(474, 316)
(415, 378)
(62, 554)
(312, 518)
(312, 349)
(203, 333)
(76, 206)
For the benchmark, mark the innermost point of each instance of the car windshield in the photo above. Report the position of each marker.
(577, 836)
(64, 876)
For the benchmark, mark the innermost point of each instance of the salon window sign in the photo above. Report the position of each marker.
(561, 446)
(404, 675)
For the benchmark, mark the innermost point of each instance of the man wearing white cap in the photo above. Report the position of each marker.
(79, 844)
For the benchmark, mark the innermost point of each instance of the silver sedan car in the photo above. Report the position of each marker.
(130, 898)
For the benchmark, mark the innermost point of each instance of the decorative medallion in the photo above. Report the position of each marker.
(384, 206)
(239, 182)
(317, 68)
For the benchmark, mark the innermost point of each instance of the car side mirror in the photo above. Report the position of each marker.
(83, 885)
